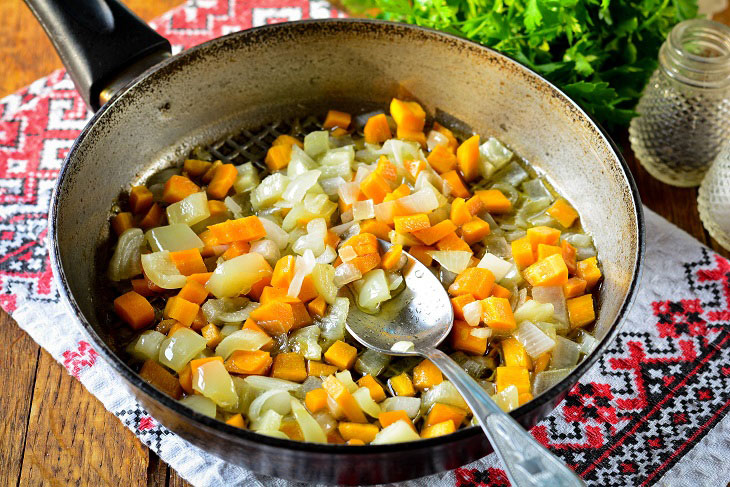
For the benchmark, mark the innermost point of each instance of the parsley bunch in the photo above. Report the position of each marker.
(600, 52)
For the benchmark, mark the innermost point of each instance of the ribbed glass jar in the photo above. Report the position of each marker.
(684, 112)
(714, 198)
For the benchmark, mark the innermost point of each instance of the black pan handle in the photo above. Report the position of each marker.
(97, 40)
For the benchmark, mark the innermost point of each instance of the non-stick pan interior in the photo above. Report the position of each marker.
(250, 79)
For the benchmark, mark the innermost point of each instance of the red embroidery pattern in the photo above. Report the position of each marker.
(77, 360)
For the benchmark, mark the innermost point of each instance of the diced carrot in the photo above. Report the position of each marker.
(181, 310)
(275, 317)
(392, 257)
(283, 272)
(468, 158)
(513, 376)
(426, 375)
(210, 173)
(497, 314)
(212, 335)
(377, 228)
(541, 363)
(142, 287)
(453, 144)
(317, 307)
(188, 262)
(494, 201)
(444, 412)
(209, 240)
(363, 243)
(458, 188)
(337, 391)
(514, 353)
(308, 291)
(289, 366)
(134, 309)
(153, 218)
(199, 322)
(217, 208)
(194, 364)
(574, 287)
(402, 385)
(420, 252)
(175, 327)
(408, 114)
(442, 159)
(453, 242)
(500, 292)
(337, 119)
(301, 315)
(387, 169)
(551, 271)
(200, 277)
(140, 199)
(411, 223)
(358, 431)
(249, 362)
(222, 181)
(459, 212)
(440, 429)
(588, 271)
(387, 418)
(155, 374)
(475, 230)
(522, 252)
(185, 378)
(366, 263)
(235, 249)
(563, 212)
(316, 400)
(195, 167)
(355, 442)
(581, 311)
(288, 140)
(194, 292)
(178, 188)
(258, 288)
(473, 280)
(399, 192)
(250, 324)
(542, 235)
(270, 294)
(412, 135)
(376, 129)
(413, 167)
(430, 236)
(458, 303)
(524, 397)
(544, 250)
(334, 438)
(375, 187)
(376, 390)
(569, 256)
(320, 369)
(236, 421)
(341, 355)
(332, 239)
(462, 339)
(278, 157)
(248, 228)
(122, 222)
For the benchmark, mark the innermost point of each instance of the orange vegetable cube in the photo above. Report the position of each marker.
(358, 431)
(270, 294)
(408, 115)
(217, 208)
(551, 271)
(337, 391)
(278, 157)
(411, 223)
(341, 355)
(500, 292)
(175, 327)
(453, 242)
(366, 263)
(497, 314)
(494, 201)
(247, 229)
(544, 251)
(194, 292)
(543, 235)
(443, 412)
(236, 421)
(399, 192)
(275, 317)
(458, 303)
(200, 277)
(514, 353)
(188, 262)
(569, 256)
(459, 212)
(337, 119)
(181, 310)
(377, 228)
(153, 218)
(580, 310)
(468, 158)
(426, 375)
(563, 212)
(317, 307)
(316, 400)
(122, 222)
(473, 280)
(475, 230)
(420, 252)
(377, 393)
(212, 335)
(513, 376)
(413, 135)
(462, 339)
(392, 257)
(431, 235)
(458, 188)
(178, 188)
(387, 418)
(235, 249)
(195, 167)
(140, 199)
(289, 366)
(301, 315)
(222, 181)
(574, 287)
(283, 272)
(439, 429)
(442, 159)
(208, 176)
(375, 187)
(355, 442)
(401, 385)
(541, 362)
(134, 309)
(288, 140)
(158, 376)
(452, 144)
(522, 252)
(387, 169)
(363, 243)
(588, 271)
(319, 369)
(185, 378)
(414, 167)
(249, 362)
(524, 397)
(376, 129)
(250, 324)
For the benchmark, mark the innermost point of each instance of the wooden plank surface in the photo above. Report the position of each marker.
(52, 431)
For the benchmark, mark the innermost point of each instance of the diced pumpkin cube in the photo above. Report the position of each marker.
(358, 431)
(278, 157)
(411, 223)
(288, 140)
(316, 400)
(522, 252)
(439, 429)
(274, 317)
(188, 262)
(391, 258)
(452, 144)
(341, 355)
(181, 310)
(442, 159)
(412, 135)
(289, 366)
(140, 199)
(337, 119)
(236, 421)
(497, 314)
(134, 309)
(468, 158)
(317, 307)
(551, 271)
(574, 287)
(513, 376)
(377, 228)
(387, 169)
(544, 251)
(494, 201)
(387, 418)
(426, 375)
(376, 390)
(458, 188)
(431, 235)
(375, 187)
(194, 292)
(458, 303)
(500, 292)
(122, 222)
(453, 242)
(524, 397)
(178, 188)
(337, 391)
(408, 115)
(543, 235)
(155, 374)
(563, 212)
(212, 335)
(462, 339)
(514, 353)
(444, 412)
(475, 230)
(541, 363)
(473, 280)
(569, 256)
(376, 129)
(420, 253)
(249, 362)
(581, 311)
(459, 212)
(402, 385)
(319, 369)
(588, 271)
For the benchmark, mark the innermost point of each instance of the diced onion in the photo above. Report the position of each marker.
(298, 187)
(265, 383)
(161, 270)
(311, 430)
(535, 341)
(546, 379)
(587, 343)
(452, 260)
(565, 354)
(179, 349)
(333, 323)
(125, 263)
(304, 342)
(397, 432)
(346, 378)
(347, 253)
(212, 380)
(241, 340)
(373, 290)
(269, 190)
(228, 310)
(366, 402)
(411, 405)
(555, 296)
(496, 153)
(385, 211)
(481, 333)
(269, 423)
(422, 201)
(303, 266)
(342, 228)
(323, 276)
(508, 399)
(147, 345)
(268, 249)
(436, 138)
(316, 143)
(236, 276)
(189, 210)
(363, 210)
(345, 274)
(173, 238)
(233, 207)
(403, 346)
(331, 186)
(534, 311)
(200, 404)
(248, 178)
(277, 400)
(327, 256)
(497, 266)
(349, 192)
(371, 362)
(473, 313)
(275, 232)
(444, 393)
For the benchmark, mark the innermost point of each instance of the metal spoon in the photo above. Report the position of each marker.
(422, 314)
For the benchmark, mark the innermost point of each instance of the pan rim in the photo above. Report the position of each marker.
(236, 434)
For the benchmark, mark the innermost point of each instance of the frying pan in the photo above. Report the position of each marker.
(233, 95)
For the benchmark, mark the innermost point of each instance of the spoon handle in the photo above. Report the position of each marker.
(527, 463)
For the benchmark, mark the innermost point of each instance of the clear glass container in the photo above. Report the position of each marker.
(684, 112)
(714, 198)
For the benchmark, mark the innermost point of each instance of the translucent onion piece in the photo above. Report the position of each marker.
(398, 432)
(173, 238)
(555, 296)
(366, 402)
(311, 430)
(327, 256)
(481, 333)
(200, 404)
(535, 341)
(473, 313)
(374, 289)
(534, 311)
(422, 201)
(497, 266)
(245, 393)
(311, 383)
(394, 278)
(508, 399)
(146, 346)
(496, 153)
(268, 250)
(347, 253)
(399, 150)
(190, 210)
(269, 190)
(346, 273)
(161, 270)
(385, 211)
(304, 265)
(583, 253)
(536, 189)
(578, 240)
(237, 275)
(445, 393)
(411, 405)
(299, 186)
(323, 276)
(335, 410)
(248, 178)
(346, 378)
(497, 245)
(304, 342)
(125, 263)
(268, 424)
(226, 330)
(331, 186)
(316, 143)
(363, 171)
(228, 310)
(349, 192)
(403, 346)
(179, 349)
(452, 260)
(565, 354)
(241, 340)
(351, 232)
(587, 343)
(346, 216)
(436, 138)
(363, 210)
(233, 207)
(263, 383)
(546, 379)
(513, 174)
(212, 380)
(340, 229)
(333, 323)
(275, 399)
(299, 162)
(371, 362)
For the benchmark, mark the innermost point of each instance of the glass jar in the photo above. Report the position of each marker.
(684, 112)
(713, 201)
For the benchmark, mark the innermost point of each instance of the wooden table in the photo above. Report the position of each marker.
(52, 431)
